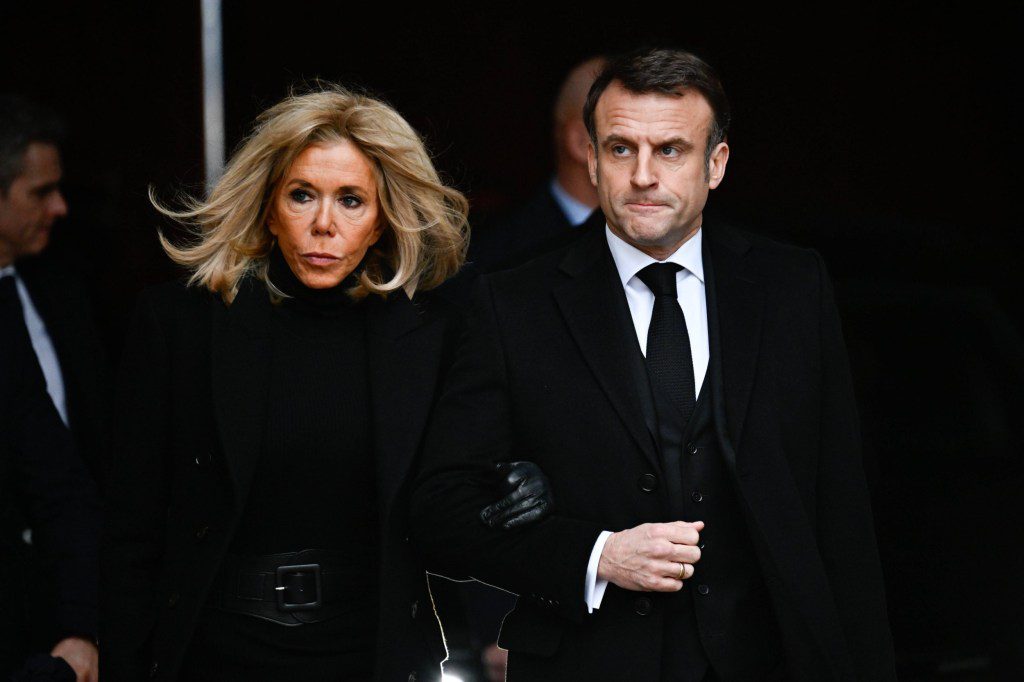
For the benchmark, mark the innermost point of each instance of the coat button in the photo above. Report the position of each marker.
(696, 496)
(201, 532)
(172, 599)
(203, 459)
(642, 605)
(648, 483)
(691, 448)
(414, 609)
(154, 669)
(703, 589)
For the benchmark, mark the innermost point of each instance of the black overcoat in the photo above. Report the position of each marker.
(43, 482)
(542, 375)
(61, 301)
(191, 409)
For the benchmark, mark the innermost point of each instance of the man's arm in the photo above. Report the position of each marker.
(470, 432)
(846, 536)
(548, 561)
(64, 512)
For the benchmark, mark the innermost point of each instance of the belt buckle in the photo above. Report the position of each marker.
(286, 590)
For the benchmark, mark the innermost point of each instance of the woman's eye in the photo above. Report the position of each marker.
(350, 201)
(299, 195)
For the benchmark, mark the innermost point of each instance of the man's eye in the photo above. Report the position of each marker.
(620, 149)
(299, 195)
(351, 201)
(670, 151)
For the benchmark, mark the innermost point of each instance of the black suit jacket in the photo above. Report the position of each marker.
(59, 297)
(191, 409)
(42, 480)
(536, 227)
(543, 375)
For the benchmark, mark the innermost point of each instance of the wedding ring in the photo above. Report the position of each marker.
(682, 571)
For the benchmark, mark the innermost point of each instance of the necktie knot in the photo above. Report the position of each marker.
(660, 278)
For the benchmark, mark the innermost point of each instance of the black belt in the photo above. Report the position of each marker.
(293, 588)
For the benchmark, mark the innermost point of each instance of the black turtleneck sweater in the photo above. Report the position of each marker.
(313, 488)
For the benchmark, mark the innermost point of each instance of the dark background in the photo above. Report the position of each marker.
(885, 138)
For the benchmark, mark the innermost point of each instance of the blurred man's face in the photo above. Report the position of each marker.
(32, 204)
(649, 167)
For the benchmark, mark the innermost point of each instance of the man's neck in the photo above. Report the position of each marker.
(576, 183)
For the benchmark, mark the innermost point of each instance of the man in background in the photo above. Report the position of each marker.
(52, 354)
(56, 311)
(548, 219)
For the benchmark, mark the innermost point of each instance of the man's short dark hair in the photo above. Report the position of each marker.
(23, 122)
(667, 72)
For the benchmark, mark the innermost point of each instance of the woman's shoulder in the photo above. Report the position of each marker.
(453, 298)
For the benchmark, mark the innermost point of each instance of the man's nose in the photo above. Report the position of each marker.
(58, 206)
(643, 172)
(324, 221)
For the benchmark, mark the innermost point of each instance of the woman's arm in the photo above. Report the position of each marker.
(133, 537)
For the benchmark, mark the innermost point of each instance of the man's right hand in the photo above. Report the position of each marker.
(647, 558)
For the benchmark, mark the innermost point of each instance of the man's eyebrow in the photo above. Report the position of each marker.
(684, 144)
(617, 139)
(43, 190)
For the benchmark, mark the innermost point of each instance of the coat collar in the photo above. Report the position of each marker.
(735, 305)
(594, 306)
(405, 343)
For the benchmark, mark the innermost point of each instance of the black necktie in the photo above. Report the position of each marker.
(668, 343)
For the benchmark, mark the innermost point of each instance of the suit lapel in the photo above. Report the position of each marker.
(592, 303)
(404, 345)
(240, 365)
(735, 304)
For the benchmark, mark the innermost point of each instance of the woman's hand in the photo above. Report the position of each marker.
(527, 496)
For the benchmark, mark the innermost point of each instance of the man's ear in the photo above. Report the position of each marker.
(592, 163)
(578, 140)
(716, 164)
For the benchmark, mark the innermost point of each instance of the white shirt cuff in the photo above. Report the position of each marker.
(593, 590)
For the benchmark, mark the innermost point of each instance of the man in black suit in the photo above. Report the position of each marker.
(550, 218)
(685, 388)
(41, 480)
(56, 311)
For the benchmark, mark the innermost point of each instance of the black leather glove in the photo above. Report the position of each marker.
(527, 496)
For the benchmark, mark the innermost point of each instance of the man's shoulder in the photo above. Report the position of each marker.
(771, 259)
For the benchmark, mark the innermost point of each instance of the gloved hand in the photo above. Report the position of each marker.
(527, 496)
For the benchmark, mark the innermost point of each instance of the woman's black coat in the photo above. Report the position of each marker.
(191, 412)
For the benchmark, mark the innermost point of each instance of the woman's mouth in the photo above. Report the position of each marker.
(319, 258)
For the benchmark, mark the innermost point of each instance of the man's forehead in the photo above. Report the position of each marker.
(40, 164)
(620, 111)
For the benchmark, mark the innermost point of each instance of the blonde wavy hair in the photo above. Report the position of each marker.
(426, 229)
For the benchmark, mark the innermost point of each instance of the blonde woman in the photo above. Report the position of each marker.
(271, 409)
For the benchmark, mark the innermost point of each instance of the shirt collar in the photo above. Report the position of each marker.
(630, 260)
(8, 270)
(575, 211)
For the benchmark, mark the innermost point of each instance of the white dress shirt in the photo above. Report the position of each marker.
(630, 260)
(41, 344)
